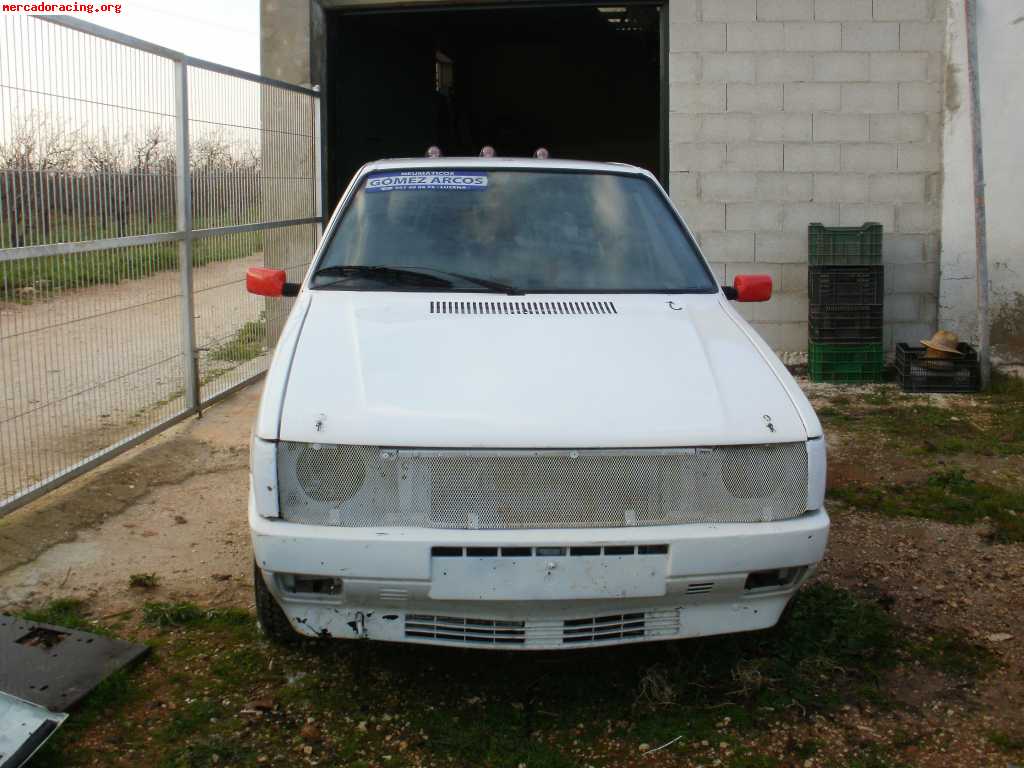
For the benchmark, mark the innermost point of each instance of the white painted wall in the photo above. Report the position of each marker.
(1001, 69)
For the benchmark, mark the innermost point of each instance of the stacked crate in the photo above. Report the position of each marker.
(845, 284)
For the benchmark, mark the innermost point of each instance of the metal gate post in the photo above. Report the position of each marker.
(190, 355)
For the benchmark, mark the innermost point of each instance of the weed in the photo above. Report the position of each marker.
(949, 496)
(747, 758)
(1007, 742)
(64, 612)
(953, 654)
(248, 342)
(832, 414)
(993, 425)
(188, 614)
(805, 749)
(1006, 385)
(171, 614)
(143, 580)
(873, 756)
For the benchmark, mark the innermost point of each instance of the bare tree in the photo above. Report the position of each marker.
(32, 162)
(98, 183)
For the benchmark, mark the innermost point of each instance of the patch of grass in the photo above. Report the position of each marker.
(989, 424)
(834, 646)
(489, 737)
(1007, 742)
(832, 414)
(51, 274)
(158, 614)
(171, 614)
(218, 688)
(928, 428)
(873, 756)
(953, 654)
(1006, 385)
(112, 695)
(248, 342)
(64, 612)
(949, 496)
(143, 581)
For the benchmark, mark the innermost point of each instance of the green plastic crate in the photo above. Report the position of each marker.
(845, 363)
(844, 246)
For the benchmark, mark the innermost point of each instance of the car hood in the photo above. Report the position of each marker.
(484, 371)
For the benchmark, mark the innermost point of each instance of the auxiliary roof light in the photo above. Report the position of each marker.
(487, 151)
(433, 151)
(541, 153)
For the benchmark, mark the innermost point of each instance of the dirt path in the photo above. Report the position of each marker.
(84, 369)
(175, 507)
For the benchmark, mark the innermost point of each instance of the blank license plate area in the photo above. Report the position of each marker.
(547, 578)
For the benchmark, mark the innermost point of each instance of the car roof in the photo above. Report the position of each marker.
(496, 163)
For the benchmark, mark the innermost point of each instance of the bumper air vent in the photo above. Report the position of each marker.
(604, 628)
(620, 626)
(462, 630)
(552, 551)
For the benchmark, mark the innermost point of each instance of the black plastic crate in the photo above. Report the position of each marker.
(918, 373)
(846, 324)
(846, 285)
(844, 246)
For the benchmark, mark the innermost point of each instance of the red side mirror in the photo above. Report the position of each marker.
(753, 287)
(265, 282)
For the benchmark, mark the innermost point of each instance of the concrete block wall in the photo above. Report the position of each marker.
(787, 112)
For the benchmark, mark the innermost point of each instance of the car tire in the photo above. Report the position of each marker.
(271, 618)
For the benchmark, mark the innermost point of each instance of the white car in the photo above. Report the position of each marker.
(512, 408)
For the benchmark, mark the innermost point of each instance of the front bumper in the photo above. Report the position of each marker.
(535, 589)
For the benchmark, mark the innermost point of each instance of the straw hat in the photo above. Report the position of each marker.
(942, 344)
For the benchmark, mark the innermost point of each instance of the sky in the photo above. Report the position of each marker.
(221, 31)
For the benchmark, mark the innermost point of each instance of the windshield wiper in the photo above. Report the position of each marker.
(494, 285)
(427, 274)
(388, 274)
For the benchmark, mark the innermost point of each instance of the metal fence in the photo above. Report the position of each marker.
(136, 186)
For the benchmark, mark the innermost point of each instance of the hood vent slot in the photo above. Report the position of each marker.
(495, 308)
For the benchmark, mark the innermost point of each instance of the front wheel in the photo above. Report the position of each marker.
(273, 622)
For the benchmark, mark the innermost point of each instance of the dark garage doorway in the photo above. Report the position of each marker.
(585, 81)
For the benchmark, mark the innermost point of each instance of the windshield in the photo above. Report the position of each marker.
(535, 231)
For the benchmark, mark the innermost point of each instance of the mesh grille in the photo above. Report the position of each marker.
(363, 486)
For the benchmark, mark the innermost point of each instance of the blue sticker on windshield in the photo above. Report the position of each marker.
(415, 180)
